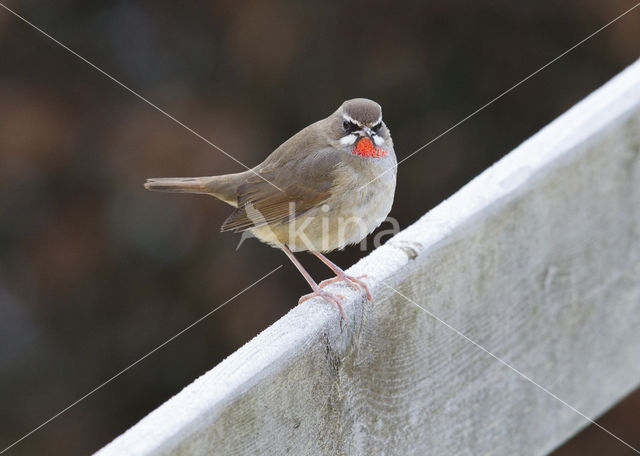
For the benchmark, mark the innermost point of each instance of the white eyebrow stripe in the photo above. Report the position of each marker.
(348, 118)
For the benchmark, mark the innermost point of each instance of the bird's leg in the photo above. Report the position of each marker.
(341, 276)
(317, 291)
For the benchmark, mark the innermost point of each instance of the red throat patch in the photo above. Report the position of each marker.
(365, 148)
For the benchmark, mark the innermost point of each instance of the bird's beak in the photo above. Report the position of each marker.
(365, 132)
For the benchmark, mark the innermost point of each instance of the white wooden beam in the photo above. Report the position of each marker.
(537, 260)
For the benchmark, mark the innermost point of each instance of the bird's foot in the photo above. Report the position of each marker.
(336, 299)
(355, 282)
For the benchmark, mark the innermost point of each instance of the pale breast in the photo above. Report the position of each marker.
(361, 199)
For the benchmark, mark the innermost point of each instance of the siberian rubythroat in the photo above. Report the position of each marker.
(328, 186)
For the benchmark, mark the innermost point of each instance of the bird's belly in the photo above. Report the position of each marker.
(344, 219)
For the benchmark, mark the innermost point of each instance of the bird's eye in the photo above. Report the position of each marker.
(376, 127)
(349, 127)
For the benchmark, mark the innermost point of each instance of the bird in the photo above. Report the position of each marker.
(326, 187)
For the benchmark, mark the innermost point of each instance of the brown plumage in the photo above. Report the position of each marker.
(328, 186)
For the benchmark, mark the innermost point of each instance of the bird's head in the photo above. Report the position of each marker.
(357, 128)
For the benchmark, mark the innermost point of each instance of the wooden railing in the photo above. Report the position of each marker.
(504, 319)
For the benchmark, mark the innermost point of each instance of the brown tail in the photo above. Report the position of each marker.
(179, 184)
(222, 187)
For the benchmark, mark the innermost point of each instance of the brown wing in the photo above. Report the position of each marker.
(305, 183)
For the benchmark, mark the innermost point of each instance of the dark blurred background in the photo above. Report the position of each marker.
(95, 271)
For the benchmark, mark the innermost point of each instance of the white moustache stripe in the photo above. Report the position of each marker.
(379, 140)
(348, 140)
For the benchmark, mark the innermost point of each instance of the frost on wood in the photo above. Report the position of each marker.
(537, 260)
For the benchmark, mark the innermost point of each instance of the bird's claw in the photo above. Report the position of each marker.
(333, 298)
(355, 282)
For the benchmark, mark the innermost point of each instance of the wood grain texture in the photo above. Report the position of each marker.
(537, 260)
